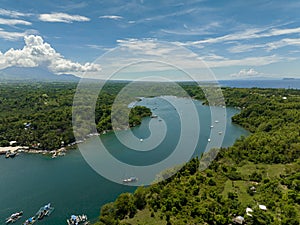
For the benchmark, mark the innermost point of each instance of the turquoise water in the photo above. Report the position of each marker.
(28, 182)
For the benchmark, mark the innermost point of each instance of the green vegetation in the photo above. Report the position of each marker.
(39, 115)
(261, 169)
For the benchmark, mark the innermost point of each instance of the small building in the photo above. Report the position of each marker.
(239, 220)
(253, 188)
(11, 143)
(263, 207)
(249, 211)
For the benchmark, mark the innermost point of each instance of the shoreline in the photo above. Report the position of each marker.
(56, 152)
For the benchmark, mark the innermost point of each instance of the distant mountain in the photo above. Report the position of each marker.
(34, 74)
(290, 78)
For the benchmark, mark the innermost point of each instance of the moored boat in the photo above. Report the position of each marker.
(80, 219)
(14, 217)
(10, 154)
(30, 221)
(44, 211)
(130, 179)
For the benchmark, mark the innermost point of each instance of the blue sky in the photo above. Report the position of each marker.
(236, 39)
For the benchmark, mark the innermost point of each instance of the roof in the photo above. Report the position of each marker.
(262, 207)
(239, 219)
(249, 211)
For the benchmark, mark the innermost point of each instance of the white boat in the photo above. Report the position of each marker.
(208, 140)
(14, 217)
(141, 139)
(130, 180)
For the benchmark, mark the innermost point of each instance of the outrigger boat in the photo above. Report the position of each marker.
(75, 220)
(30, 221)
(44, 211)
(14, 217)
(130, 180)
(10, 154)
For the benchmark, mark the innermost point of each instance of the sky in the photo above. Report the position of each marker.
(234, 39)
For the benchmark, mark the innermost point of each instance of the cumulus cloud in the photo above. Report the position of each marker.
(12, 22)
(112, 17)
(246, 73)
(37, 53)
(62, 18)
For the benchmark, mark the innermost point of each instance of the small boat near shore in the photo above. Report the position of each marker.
(80, 219)
(130, 180)
(14, 217)
(10, 154)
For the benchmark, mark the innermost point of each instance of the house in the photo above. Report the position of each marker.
(253, 189)
(263, 207)
(239, 220)
(11, 143)
(249, 211)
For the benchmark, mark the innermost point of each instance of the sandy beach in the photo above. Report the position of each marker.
(3, 150)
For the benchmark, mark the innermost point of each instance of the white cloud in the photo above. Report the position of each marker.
(267, 46)
(246, 73)
(245, 48)
(253, 33)
(283, 42)
(12, 22)
(38, 53)
(62, 18)
(248, 61)
(112, 17)
(11, 36)
(13, 14)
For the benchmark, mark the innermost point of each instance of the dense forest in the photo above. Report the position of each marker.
(260, 172)
(39, 115)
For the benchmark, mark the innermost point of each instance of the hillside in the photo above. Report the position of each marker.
(34, 74)
(261, 169)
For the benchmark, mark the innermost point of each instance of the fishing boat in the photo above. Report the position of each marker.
(44, 211)
(10, 154)
(154, 116)
(130, 180)
(14, 217)
(80, 219)
(30, 221)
